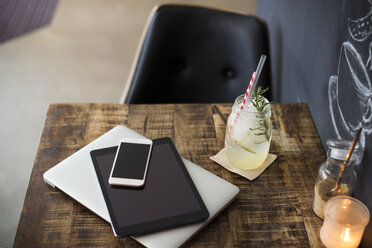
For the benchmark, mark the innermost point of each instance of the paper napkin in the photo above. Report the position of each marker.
(221, 159)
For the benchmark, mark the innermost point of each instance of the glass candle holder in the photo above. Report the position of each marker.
(344, 223)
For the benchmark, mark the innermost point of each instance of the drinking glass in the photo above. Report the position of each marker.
(247, 142)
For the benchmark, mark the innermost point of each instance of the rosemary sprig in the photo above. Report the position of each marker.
(258, 100)
(259, 103)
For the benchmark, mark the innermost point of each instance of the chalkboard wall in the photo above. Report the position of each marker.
(321, 54)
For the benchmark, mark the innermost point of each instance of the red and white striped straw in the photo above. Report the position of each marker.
(241, 107)
(248, 94)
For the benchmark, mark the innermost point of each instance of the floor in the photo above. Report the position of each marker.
(84, 55)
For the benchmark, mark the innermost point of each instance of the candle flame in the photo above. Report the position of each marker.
(345, 235)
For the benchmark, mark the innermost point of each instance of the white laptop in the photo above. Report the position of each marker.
(216, 193)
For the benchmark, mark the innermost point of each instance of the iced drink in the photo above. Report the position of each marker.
(248, 143)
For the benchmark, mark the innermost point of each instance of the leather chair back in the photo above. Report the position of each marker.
(197, 55)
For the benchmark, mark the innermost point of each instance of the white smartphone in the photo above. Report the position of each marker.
(131, 162)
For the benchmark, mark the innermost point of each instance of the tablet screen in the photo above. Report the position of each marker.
(169, 198)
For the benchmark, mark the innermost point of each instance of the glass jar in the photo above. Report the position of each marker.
(329, 172)
(247, 142)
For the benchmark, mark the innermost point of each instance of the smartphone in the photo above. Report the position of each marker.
(131, 162)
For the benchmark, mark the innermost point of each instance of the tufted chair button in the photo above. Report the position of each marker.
(180, 66)
(229, 73)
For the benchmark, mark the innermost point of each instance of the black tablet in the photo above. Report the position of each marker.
(168, 199)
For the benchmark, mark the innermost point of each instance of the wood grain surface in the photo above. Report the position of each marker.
(274, 210)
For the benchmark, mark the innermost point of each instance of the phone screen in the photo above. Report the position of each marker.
(131, 161)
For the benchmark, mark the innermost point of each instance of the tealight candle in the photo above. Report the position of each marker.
(344, 223)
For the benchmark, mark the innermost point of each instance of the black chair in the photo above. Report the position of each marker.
(194, 54)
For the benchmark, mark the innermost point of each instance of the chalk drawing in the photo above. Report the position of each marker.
(354, 83)
(369, 60)
(361, 28)
(350, 91)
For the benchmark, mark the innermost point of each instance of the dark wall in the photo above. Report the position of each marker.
(321, 55)
(18, 17)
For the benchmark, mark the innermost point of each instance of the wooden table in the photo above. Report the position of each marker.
(272, 211)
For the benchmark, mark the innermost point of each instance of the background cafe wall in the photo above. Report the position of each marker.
(321, 54)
